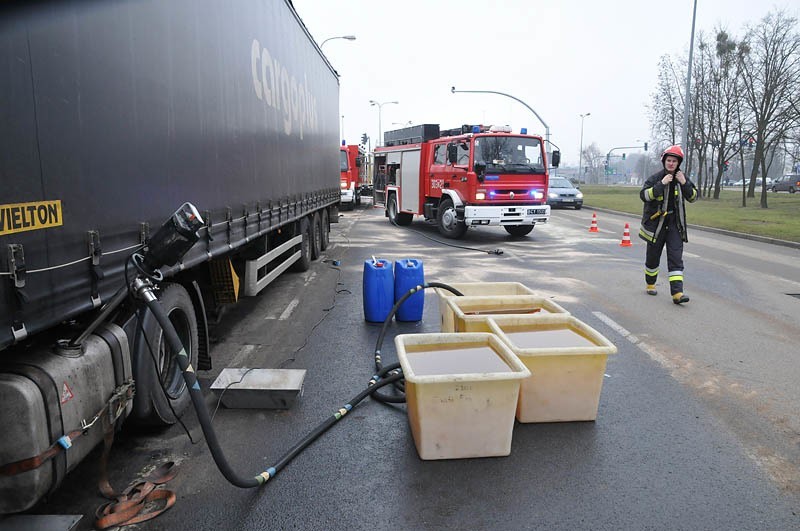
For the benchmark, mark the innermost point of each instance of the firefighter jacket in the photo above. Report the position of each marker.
(659, 209)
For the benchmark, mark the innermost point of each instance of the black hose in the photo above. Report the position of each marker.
(383, 397)
(489, 251)
(196, 394)
(379, 380)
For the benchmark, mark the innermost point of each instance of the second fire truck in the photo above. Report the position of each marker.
(352, 171)
(464, 177)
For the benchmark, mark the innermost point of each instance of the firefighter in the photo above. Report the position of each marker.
(664, 221)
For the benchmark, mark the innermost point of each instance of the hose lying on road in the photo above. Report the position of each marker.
(390, 374)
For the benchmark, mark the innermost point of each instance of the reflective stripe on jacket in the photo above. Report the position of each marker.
(654, 195)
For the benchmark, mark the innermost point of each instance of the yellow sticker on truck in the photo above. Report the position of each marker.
(21, 217)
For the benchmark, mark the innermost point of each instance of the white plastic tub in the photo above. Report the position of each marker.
(472, 289)
(458, 414)
(469, 314)
(567, 359)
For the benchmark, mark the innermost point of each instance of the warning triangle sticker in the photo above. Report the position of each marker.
(66, 393)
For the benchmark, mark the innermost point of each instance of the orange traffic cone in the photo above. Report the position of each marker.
(626, 237)
(594, 228)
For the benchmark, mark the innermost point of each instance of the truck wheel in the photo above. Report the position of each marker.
(792, 190)
(518, 230)
(326, 229)
(316, 236)
(157, 391)
(398, 218)
(304, 262)
(449, 225)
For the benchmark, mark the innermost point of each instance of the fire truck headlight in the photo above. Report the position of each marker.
(492, 193)
(480, 196)
(536, 194)
(343, 185)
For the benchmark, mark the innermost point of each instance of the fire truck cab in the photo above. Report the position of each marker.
(351, 169)
(464, 177)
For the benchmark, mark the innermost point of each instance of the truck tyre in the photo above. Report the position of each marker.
(316, 236)
(326, 229)
(304, 262)
(447, 220)
(792, 190)
(518, 230)
(398, 218)
(156, 392)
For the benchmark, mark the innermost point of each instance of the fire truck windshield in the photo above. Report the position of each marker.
(343, 166)
(509, 154)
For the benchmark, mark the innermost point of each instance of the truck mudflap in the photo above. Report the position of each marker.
(506, 215)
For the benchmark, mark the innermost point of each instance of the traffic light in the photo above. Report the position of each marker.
(727, 163)
(623, 156)
(364, 139)
(645, 146)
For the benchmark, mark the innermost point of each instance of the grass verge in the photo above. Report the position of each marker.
(780, 220)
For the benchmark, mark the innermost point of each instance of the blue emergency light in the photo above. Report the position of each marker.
(476, 129)
(344, 143)
(523, 131)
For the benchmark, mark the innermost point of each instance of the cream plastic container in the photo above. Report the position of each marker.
(567, 362)
(471, 289)
(469, 314)
(460, 415)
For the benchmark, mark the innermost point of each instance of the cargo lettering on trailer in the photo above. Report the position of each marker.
(21, 217)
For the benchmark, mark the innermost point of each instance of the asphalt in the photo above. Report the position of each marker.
(655, 458)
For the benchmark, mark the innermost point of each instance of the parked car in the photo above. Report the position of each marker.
(563, 193)
(787, 183)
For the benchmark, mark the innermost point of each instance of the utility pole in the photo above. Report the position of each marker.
(580, 153)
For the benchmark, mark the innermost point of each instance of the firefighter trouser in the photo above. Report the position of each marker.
(671, 236)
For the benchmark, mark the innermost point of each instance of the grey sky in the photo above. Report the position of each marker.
(562, 58)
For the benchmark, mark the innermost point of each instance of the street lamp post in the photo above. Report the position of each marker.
(580, 153)
(374, 103)
(345, 37)
(546, 127)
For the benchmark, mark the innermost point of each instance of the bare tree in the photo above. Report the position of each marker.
(770, 68)
(666, 109)
(594, 158)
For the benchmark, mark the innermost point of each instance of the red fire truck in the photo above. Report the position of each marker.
(352, 174)
(464, 177)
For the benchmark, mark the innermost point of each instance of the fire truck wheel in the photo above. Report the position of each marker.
(518, 230)
(316, 236)
(398, 218)
(326, 229)
(304, 262)
(160, 393)
(449, 225)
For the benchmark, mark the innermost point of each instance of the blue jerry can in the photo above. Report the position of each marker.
(408, 273)
(378, 290)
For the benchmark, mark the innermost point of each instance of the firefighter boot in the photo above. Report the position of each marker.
(679, 298)
(651, 289)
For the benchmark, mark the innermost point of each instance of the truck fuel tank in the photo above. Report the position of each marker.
(46, 394)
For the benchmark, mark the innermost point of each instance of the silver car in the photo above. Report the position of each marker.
(562, 193)
(788, 183)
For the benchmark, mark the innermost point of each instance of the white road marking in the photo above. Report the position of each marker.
(619, 329)
(242, 355)
(647, 349)
(289, 309)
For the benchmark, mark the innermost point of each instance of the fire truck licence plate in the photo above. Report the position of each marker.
(535, 211)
